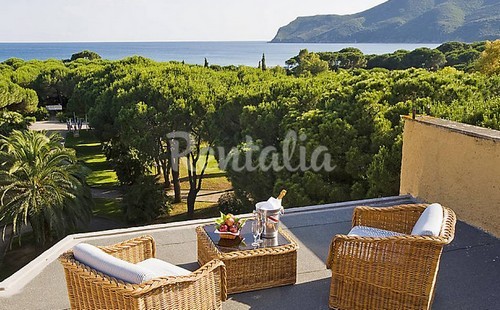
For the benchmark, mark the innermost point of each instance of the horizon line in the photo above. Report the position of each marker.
(150, 41)
(219, 41)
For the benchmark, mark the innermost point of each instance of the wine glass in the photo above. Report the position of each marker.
(261, 230)
(256, 231)
(258, 218)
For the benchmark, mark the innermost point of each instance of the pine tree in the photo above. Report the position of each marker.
(263, 62)
(206, 63)
(489, 61)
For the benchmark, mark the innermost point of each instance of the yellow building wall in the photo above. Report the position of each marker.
(453, 164)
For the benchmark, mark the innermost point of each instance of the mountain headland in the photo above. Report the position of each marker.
(401, 21)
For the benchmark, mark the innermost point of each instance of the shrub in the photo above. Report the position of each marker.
(13, 121)
(61, 117)
(40, 114)
(229, 203)
(90, 55)
(145, 200)
(125, 161)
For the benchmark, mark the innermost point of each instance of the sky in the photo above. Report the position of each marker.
(158, 20)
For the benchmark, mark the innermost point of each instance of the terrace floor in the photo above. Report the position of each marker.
(468, 277)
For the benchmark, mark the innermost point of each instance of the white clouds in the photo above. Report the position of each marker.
(159, 20)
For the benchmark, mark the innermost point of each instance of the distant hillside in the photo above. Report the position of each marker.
(401, 21)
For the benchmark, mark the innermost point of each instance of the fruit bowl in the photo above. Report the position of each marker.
(227, 226)
(227, 235)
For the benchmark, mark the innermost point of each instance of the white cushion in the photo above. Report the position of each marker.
(161, 268)
(430, 221)
(99, 260)
(365, 231)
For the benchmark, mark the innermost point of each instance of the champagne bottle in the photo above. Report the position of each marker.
(282, 194)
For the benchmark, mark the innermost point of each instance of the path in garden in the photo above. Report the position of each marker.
(204, 195)
(106, 193)
(52, 126)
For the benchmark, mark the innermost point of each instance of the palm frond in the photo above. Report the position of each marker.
(41, 184)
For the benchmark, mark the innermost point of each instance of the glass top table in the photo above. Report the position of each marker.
(244, 241)
(248, 268)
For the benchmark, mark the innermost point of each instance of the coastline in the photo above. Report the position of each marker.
(194, 52)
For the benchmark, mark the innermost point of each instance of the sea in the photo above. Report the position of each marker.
(219, 53)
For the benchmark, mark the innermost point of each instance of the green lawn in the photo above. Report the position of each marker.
(178, 213)
(109, 208)
(89, 150)
(213, 179)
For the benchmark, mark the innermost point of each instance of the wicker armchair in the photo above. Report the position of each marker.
(90, 289)
(387, 273)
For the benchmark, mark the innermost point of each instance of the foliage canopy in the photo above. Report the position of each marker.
(133, 104)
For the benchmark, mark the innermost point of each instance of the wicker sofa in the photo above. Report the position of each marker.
(90, 289)
(397, 272)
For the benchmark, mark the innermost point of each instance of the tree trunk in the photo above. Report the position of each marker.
(165, 168)
(5, 245)
(195, 179)
(162, 163)
(169, 169)
(190, 202)
(174, 167)
(47, 233)
(158, 167)
(59, 97)
(177, 185)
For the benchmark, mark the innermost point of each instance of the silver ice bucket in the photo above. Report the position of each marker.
(270, 217)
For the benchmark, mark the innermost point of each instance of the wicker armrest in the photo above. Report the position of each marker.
(212, 274)
(133, 250)
(400, 218)
(366, 248)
